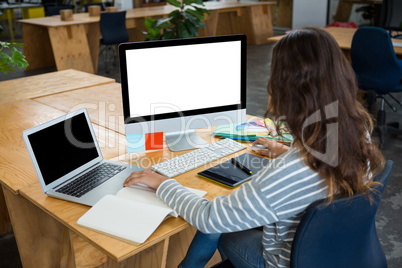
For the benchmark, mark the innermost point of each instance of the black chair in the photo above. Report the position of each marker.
(378, 71)
(113, 31)
(102, 6)
(391, 14)
(55, 10)
(341, 234)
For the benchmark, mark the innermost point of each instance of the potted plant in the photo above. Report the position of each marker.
(8, 62)
(183, 22)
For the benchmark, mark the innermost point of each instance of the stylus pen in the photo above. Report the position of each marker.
(243, 168)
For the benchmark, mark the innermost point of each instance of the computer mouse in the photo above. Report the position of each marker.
(258, 147)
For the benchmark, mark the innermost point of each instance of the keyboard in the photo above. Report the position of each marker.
(191, 160)
(90, 180)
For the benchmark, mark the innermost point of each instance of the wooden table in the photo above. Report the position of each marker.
(45, 228)
(19, 111)
(103, 103)
(47, 84)
(74, 44)
(343, 37)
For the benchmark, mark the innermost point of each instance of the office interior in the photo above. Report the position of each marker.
(388, 219)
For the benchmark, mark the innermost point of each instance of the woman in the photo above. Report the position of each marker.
(313, 88)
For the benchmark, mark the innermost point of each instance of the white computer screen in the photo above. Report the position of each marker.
(163, 80)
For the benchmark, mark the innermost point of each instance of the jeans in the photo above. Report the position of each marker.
(243, 249)
(201, 250)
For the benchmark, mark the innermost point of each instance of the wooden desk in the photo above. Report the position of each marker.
(103, 103)
(17, 116)
(45, 228)
(48, 84)
(165, 248)
(75, 44)
(17, 173)
(20, 112)
(344, 38)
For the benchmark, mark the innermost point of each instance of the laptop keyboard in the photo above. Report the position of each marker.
(90, 180)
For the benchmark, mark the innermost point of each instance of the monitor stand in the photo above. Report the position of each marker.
(180, 141)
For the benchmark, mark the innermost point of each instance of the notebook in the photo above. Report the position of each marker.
(68, 160)
(146, 212)
(230, 175)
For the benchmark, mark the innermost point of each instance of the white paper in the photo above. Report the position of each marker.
(123, 218)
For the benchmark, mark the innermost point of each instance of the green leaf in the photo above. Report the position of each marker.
(4, 44)
(18, 59)
(4, 67)
(155, 31)
(163, 23)
(193, 31)
(202, 10)
(197, 23)
(183, 32)
(174, 3)
(5, 57)
(7, 45)
(149, 23)
(190, 17)
(174, 13)
(169, 34)
(17, 44)
(152, 34)
(196, 14)
(156, 37)
(190, 2)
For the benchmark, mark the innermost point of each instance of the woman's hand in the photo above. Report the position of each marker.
(275, 148)
(147, 177)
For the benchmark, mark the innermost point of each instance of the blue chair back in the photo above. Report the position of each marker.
(102, 6)
(55, 10)
(113, 28)
(341, 234)
(374, 60)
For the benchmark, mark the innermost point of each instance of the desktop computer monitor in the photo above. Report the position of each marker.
(391, 17)
(176, 86)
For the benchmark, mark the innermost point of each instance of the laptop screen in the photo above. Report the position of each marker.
(63, 147)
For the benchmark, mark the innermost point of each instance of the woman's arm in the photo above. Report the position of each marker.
(243, 209)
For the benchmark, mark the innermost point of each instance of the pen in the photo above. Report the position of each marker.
(243, 168)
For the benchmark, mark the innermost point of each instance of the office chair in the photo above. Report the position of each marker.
(341, 234)
(378, 72)
(390, 19)
(55, 10)
(113, 31)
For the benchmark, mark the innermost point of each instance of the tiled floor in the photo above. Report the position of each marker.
(389, 215)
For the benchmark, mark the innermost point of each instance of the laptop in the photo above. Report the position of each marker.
(69, 162)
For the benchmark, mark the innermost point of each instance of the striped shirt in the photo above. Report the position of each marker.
(275, 199)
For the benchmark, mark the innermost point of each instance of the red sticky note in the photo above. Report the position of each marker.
(154, 141)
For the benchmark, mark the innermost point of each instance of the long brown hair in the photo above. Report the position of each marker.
(313, 89)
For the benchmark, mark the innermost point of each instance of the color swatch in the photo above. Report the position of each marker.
(144, 142)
